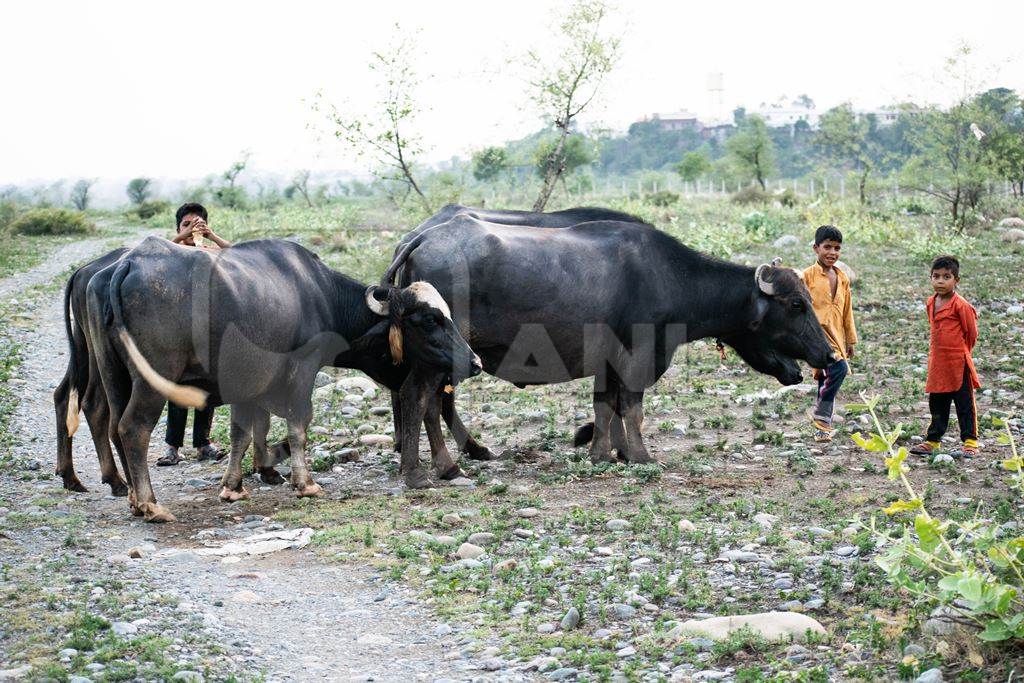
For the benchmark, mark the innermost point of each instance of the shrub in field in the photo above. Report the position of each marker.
(150, 208)
(751, 195)
(52, 222)
(926, 247)
(8, 212)
(973, 569)
(662, 198)
(763, 226)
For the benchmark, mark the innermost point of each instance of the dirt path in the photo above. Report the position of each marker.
(285, 615)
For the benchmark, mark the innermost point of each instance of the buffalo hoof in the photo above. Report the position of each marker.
(268, 475)
(133, 505)
(606, 456)
(453, 472)
(643, 458)
(72, 483)
(155, 513)
(478, 452)
(232, 496)
(118, 488)
(417, 479)
(310, 490)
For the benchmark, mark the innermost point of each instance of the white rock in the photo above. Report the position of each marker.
(482, 538)
(769, 625)
(685, 526)
(468, 551)
(618, 525)
(765, 520)
(376, 440)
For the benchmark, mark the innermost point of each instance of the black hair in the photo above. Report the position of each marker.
(186, 209)
(947, 263)
(827, 232)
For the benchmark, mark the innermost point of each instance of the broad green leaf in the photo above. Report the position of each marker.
(903, 506)
(875, 444)
(1013, 464)
(971, 589)
(895, 464)
(950, 583)
(928, 530)
(995, 631)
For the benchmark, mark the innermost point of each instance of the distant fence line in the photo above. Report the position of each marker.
(810, 186)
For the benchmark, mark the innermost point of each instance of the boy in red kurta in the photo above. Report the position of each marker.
(952, 378)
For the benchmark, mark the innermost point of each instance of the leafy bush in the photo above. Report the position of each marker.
(8, 212)
(926, 247)
(52, 222)
(662, 198)
(751, 195)
(787, 197)
(973, 570)
(150, 208)
(763, 226)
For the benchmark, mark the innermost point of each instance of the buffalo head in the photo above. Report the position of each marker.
(421, 329)
(784, 328)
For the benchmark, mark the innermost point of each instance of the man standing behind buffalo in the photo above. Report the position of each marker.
(833, 305)
(191, 222)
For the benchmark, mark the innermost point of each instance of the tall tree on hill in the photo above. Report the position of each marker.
(80, 193)
(385, 134)
(564, 86)
(845, 139)
(750, 150)
(139, 190)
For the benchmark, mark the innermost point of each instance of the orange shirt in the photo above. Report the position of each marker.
(954, 331)
(835, 313)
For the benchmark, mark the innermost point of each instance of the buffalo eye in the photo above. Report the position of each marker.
(798, 306)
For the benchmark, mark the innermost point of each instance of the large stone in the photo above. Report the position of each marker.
(1012, 235)
(618, 525)
(1012, 222)
(124, 628)
(468, 551)
(482, 538)
(571, 619)
(376, 440)
(769, 625)
(786, 241)
(930, 676)
(850, 273)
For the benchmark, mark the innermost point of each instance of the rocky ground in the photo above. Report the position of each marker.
(537, 565)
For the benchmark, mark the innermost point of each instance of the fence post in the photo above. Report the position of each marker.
(842, 187)
(812, 187)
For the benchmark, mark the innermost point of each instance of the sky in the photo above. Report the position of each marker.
(180, 89)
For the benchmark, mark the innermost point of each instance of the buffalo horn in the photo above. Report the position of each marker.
(762, 284)
(378, 307)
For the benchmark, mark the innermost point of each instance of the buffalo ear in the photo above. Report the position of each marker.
(761, 309)
(395, 343)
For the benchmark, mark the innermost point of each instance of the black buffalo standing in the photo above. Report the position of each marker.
(608, 299)
(250, 326)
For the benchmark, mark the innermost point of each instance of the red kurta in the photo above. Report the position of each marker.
(954, 330)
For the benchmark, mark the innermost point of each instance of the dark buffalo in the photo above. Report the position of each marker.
(81, 389)
(555, 219)
(250, 326)
(608, 299)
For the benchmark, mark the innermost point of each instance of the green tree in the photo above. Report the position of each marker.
(139, 190)
(489, 162)
(230, 194)
(300, 186)
(563, 87)
(384, 133)
(845, 139)
(80, 193)
(750, 151)
(573, 151)
(693, 166)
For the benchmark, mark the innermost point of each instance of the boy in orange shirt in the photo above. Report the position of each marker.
(833, 305)
(952, 377)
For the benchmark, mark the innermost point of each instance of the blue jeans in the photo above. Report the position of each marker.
(828, 386)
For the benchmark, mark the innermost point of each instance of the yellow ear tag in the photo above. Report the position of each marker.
(448, 389)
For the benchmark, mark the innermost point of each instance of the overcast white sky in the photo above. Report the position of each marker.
(179, 89)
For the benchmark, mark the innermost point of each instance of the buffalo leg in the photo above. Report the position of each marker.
(605, 403)
(97, 414)
(65, 464)
(135, 428)
(263, 460)
(417, 390)
(465, 441)
(242, 417)
(396, 418)
(302, 480)
(631, 403)
(444, 466)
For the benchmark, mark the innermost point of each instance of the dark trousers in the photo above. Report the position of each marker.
(202, 421)
(966, 412)
(829, 381)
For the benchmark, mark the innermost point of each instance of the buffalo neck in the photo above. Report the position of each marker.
(351, 318)
(714, 298)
